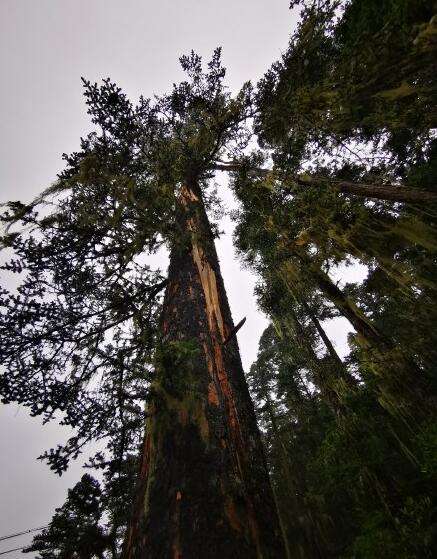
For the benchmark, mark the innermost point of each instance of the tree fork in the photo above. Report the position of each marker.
(203, 488)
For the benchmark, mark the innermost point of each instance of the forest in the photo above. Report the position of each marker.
(310, 454)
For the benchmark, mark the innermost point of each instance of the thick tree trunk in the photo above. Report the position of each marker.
(204, 490)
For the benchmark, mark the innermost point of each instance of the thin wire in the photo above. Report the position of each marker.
(10, 550)
(21, 533)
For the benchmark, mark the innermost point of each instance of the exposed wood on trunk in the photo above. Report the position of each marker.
(205, 491)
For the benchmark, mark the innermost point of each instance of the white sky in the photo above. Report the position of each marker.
(45, 47)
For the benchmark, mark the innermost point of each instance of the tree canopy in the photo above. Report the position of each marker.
(343, 172)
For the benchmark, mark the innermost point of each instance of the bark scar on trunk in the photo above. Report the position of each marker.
(209, 284)
(202, 447)
(219, 334)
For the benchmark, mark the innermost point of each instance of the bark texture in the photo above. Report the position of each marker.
(204, 490)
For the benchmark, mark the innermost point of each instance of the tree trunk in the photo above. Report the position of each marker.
(323, 375)
(365, 329)
(403, 386)
(294, 508)
(204, 489)
(320, 330)
(387, 192)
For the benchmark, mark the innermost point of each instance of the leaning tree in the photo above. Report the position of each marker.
(95, 335)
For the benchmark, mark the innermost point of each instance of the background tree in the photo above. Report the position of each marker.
(74, 530)
(345, 143)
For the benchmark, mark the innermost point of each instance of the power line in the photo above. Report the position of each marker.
(11, 550)
(22, 533)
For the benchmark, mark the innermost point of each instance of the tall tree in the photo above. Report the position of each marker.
(353, 175)
(87, 329)
(346, 172)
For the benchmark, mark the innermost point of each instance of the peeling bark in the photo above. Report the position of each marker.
(204, 489)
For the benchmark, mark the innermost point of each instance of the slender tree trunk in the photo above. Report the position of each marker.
(204, 490)
(312, 539)
(388, 192)
(323, 376)
(320, 330)
(402, 384)
(365, 329)
(342, 371)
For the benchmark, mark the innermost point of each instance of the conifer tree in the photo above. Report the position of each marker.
(345, 173)
(74, 531)
(88, 336)
(337, 144)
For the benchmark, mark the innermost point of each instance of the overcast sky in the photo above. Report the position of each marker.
(45, 47)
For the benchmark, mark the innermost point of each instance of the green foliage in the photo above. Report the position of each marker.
(80, 339)
(74, 531)
(175, 362)
(341, 477)
(351, 443)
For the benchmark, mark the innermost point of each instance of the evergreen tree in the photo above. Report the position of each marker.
(74, 531)
(351, 146)
(87, 331)
(345, 172)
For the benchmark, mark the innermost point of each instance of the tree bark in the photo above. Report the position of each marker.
(322, 375)
(204, 489)
(341, 371)
(389, 192)
(325, 339)
(365, 329)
